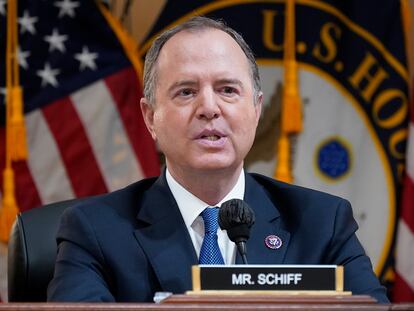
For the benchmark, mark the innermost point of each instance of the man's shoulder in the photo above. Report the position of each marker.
(297, 198)
(288, 189)
(125, 200)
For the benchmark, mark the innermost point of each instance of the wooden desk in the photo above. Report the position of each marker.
(220, 302)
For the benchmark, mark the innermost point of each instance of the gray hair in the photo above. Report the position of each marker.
(196, 23)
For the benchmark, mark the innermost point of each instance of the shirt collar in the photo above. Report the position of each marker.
(190, 206)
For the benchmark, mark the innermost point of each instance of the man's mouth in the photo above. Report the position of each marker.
(210, 134)
(211, 137)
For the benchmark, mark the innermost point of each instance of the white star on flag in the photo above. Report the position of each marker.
(86, 59)
(21, 57)
(66, 8)
(27, 23)
(48, 75)
(2, 7)
(56, 41)
(4, 92)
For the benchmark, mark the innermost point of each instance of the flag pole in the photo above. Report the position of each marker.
(291, 116)
(16, 148)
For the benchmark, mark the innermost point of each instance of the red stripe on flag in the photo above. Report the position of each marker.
(74, 147)
(126, 91)
(26, 192)
(401, 291)
(27, 195)
(407, 207)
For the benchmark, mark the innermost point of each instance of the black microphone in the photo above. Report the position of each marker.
(237, 218)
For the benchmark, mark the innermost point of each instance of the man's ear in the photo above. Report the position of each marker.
(258, 106)
(148, 115)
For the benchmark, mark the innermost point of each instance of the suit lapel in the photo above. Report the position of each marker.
(268, 222)
(165, 239)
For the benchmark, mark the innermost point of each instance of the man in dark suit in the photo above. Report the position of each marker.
(202, 103)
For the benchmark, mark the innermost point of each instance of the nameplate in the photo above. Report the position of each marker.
(267, 278)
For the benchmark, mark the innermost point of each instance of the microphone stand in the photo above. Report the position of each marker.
(241, 247)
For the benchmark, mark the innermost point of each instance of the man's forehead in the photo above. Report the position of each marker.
(210, 51)
(196, 32)
(205, 55)
(186, 38)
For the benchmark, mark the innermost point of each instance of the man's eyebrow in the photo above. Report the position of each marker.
(230, 81)
(189, 83)
(182, 83)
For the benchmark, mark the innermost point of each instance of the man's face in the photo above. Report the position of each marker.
(204, 117)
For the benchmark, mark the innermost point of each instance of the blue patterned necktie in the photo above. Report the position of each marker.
(210, 252)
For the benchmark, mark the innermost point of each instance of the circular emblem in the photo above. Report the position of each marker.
(273, 242)
(333, 158)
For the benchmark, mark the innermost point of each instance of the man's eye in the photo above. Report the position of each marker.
(186, 92)
(228, 90)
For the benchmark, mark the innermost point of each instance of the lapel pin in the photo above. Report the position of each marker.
(273, 242)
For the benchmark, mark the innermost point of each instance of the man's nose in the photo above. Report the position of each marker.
(207, 106)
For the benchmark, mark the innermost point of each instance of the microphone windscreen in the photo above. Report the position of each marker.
(237, 218)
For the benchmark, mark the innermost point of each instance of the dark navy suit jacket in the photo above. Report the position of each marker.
(129, 244)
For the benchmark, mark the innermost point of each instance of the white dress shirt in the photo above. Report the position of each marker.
(190, 207)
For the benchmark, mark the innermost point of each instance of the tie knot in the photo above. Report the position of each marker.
(210, 216)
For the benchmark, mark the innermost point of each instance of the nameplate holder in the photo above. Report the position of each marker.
(267, 279)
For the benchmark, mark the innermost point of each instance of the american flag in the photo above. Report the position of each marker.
(85, 131)
(404, 283)
(403, 290)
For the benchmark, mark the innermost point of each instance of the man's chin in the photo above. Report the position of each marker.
(217, 166)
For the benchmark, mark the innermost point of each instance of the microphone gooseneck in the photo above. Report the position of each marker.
(237, 218)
